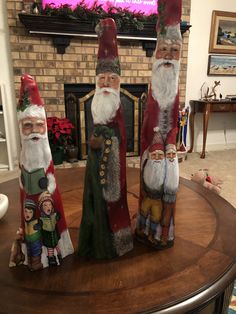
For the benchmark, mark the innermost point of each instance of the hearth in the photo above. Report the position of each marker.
(78, 98)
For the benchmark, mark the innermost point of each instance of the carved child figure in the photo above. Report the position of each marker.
(50, 236)
(33, 236)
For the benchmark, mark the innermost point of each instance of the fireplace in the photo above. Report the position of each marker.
(78, 98)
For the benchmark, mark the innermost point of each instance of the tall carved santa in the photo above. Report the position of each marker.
(105, 230)
(43, 235)
(159, 163)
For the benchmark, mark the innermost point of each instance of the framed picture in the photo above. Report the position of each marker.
(223, 32)
(221, 65)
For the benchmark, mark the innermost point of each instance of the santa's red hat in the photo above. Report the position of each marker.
(108, 60)
(156, 147)
(169, 18)
(30, 103)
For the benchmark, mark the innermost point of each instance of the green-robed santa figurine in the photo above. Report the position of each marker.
(159, 163)
(105, 230)
(37, 183)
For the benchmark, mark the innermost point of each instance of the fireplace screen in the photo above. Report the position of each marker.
(78, 99)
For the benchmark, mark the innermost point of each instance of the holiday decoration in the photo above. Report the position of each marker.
(105, 230)
(159, 163)
(83, 12)
(42, 212)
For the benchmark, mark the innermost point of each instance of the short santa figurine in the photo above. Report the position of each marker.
(159, 162)
(37, 176)
(105, 230)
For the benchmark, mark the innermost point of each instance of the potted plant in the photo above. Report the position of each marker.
(59, 136)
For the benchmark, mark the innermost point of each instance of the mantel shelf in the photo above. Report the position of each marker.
(62, 29)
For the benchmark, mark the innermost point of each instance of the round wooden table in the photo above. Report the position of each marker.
(197, 271)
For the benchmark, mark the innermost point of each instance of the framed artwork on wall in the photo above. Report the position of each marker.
(223, 32)
(221, 65)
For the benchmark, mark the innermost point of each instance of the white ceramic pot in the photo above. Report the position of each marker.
(3, 205)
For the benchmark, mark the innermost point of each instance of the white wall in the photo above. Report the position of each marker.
(222, 126)
(6, 80)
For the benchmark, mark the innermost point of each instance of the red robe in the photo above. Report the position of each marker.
(151, 120)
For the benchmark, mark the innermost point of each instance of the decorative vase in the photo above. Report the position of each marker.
(3, 205)
(58, 155)
(72, 153)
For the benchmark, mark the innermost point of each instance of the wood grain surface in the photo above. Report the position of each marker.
(175, 280)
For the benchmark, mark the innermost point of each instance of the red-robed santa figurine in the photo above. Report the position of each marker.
(38, 185)
(159, 163)
(105, 230)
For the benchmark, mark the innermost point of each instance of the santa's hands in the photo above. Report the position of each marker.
(96, 142)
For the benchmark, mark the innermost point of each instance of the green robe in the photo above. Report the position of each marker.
(96, 238)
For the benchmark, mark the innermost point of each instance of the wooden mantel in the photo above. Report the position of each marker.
(62, 29)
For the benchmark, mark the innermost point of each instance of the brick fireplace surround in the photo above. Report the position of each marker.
(35, 54)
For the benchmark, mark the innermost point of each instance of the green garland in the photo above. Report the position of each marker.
(122, 17)
(24, 102)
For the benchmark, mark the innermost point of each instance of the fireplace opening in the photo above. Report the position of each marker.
(78, 99)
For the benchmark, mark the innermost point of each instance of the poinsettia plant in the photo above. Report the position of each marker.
(59, 132)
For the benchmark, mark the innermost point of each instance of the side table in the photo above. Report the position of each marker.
(206, 107)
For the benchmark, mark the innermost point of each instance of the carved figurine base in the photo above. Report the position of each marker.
(156, 244)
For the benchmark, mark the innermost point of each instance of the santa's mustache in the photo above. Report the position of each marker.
(100, 91)
(157, 161)
(33, 136)
(160, 62)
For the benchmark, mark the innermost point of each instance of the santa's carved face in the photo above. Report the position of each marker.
(106, 100)
(156, 155)
(32, 126)
(35, 152)
(168, 50)
(171, 156)
(165, 72)
(154, 174)
(108, 79)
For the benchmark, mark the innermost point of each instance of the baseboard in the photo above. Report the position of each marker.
(215, 147)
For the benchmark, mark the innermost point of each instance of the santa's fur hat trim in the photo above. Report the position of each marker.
(34, 111)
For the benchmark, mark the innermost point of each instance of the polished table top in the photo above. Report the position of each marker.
(175, 280)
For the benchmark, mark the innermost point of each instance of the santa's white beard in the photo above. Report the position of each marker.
(35, 154)
(172, 176)
(165, 82)
(154, 174)
(105, 106)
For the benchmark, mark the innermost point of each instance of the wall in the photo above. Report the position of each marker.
(35, 54)
(6, 81)
(222, 127)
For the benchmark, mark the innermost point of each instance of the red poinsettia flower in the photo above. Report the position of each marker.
(59, 131)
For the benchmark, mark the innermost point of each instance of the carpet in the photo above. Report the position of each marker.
(232, 306)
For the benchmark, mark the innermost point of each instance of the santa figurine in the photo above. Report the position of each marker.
(105, 230)
(37, 170)
(159, 162)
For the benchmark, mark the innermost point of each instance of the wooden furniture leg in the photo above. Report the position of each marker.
(206, 114)
(191, 125)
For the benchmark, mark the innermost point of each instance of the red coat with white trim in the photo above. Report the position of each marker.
(151, 121)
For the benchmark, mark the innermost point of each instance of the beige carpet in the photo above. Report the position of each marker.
(221, 164)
